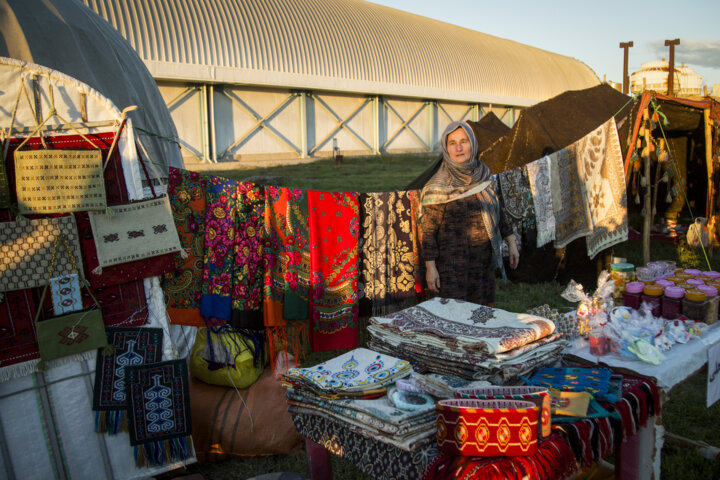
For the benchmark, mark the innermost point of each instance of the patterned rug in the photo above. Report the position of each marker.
(572, 214)
(131, 347)
(539, 180)
(333, 233)
(389, 253)
(183, 287)
(603, 174)
(159, 412)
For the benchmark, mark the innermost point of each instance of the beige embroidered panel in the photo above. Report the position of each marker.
(59, 181)
(135, 231)
(26, 251)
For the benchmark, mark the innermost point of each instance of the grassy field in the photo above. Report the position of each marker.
(684, 412)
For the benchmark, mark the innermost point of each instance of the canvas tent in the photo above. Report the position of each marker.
(68, 37)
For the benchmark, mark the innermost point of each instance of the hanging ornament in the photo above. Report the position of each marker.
(654, 210)
(645, 152)
(668, 197)
(665, 178)
(636, 161)
(655, 116)
(641, 132)
(637, 198)
(638, 144)
(643, 182)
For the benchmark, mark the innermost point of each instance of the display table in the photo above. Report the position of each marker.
(681, 362)
(571, 448)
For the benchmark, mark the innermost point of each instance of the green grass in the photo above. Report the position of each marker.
(684, 413)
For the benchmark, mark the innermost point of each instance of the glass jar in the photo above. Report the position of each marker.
(695, 305)
(645, 275)
(598, 342)
(712, 274)
(713, 301)
(632, 296)
(672, 302)
(652, 295)
(622, 273)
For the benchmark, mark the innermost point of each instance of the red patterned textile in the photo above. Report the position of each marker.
(18, 342)
(334, 223)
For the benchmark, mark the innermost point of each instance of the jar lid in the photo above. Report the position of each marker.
(695, 295)
(664, 283)
(622, 267)
(674, 292)
(653, 290)
(692, 271)
(684, 275)
(709, 290)
(686, 286)
(674, 279)
(634, 287)
(711, 274)
(695, 281)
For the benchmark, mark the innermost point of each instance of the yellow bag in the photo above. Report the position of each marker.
(223, 356)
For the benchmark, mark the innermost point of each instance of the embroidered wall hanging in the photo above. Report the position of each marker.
(333, 224)
(18, 341)
(159, 412)
(487, 428)
(539, 179)
(183, 286)
(59, 181)
(131, 347)
(26, 251)
(134, 231)
(66, 295)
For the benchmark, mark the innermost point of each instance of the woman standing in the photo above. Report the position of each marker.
(462, 223)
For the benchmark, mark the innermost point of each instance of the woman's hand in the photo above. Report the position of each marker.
(432, 276)
(513, 254)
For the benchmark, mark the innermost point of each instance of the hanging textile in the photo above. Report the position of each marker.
(539, 179)
(517, 201)
(159, 412)
(130, 347)
(602, 171)
(287, 269)
(220, 241)
(334, 227)
(248, 271)
(572, 213)
(134, 231)
(389, 257)
(18, 342)
(26, 251)
(183, 286)
(4, 183)
(66, 294)
(59, 181)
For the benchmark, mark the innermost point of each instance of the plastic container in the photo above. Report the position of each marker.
(598, 342)
(652, 295)
(672, 302)
(622, 273)
(695, 305)
(692, 271)
(632, 296)
(711, 273)
(664, 283)
(713, 301)
(645, 275)
(694, 281)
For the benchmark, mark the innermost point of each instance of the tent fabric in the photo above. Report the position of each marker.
(556, 123)
(66, 36)
(487, 131)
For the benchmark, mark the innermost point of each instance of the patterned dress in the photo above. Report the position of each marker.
(454, 235)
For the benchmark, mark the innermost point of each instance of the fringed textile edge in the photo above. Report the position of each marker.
(155, 454)
(37, 365)
(111, 421)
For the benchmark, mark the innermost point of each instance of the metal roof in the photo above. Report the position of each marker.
(343, 45)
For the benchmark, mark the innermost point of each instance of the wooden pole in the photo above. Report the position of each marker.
(626, 79)
(647, 224)
(671, 69)
(710, 214)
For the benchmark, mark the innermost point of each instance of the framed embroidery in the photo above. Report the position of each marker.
(134, 231)
(26, 251)
(59, 181)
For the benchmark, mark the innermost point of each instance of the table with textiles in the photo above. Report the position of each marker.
(571, 448)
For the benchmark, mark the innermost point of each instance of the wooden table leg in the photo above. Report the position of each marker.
(318, 461)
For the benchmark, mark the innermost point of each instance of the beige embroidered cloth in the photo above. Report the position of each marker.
(135, 231)
(59, 181)
(26, 251)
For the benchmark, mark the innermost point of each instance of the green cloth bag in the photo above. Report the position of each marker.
(72, 333)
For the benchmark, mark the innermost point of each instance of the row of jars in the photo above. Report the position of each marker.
(697, 302)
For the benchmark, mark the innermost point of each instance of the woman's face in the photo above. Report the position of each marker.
(458, 146)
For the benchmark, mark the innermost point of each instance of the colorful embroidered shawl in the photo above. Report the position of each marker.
(539, 178)
(220, 227)
(602, 171)
(389, 257)
(517, 201)
(334, 226)
(248, 270)
(287, 267)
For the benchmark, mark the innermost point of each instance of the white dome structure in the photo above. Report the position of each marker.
(654, 76)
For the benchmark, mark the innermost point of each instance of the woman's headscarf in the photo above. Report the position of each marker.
(453, 180)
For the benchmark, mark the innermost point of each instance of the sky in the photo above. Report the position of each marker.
(591, 31)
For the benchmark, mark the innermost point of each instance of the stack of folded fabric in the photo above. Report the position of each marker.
(351, 390)
(469, 340)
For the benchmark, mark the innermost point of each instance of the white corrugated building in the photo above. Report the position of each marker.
(263, 80)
